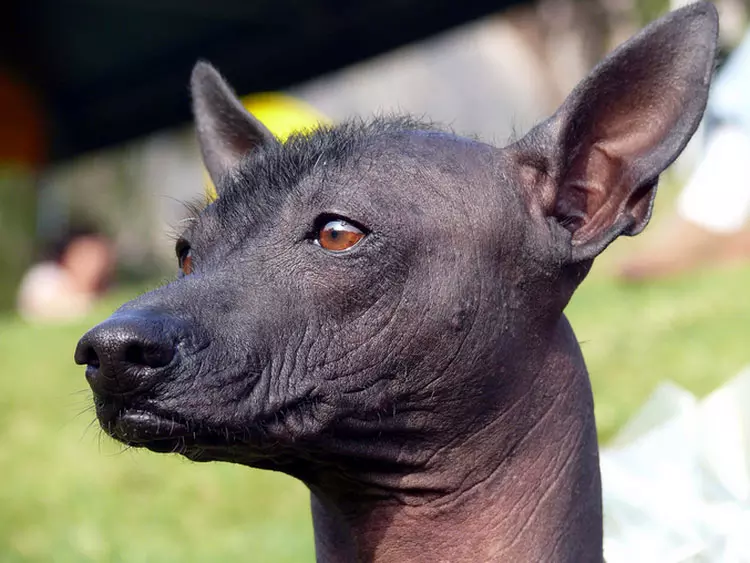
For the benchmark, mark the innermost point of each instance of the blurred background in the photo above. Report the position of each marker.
(98, 160)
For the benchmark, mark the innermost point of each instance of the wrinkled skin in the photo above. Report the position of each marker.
(425, 379)
(321, 352)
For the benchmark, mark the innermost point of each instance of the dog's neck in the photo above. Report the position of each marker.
(536, 497)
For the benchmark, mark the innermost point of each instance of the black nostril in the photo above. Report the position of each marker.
(147, 354)
(125, 352)
(134, 354)
(86, 355)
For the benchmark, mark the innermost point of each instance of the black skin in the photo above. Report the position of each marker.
(423, 383)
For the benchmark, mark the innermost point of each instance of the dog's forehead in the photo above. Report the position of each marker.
(350, 145)
(402, 160)
(436, 173)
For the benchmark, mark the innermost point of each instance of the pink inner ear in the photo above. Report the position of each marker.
(591, 192)
(624, 125)
(600, 182)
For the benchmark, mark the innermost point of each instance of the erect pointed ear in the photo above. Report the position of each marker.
(596, 162)
(227, 132)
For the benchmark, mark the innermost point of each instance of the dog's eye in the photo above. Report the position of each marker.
(184, 257)
(186, 264)
(338, 235)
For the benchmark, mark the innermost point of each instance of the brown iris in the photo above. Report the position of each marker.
(184, 257)
(186, 264)
(339, 235)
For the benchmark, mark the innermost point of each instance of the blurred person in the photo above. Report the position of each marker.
(67, 285)
(710, 225)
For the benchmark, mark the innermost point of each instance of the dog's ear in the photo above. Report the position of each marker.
(594, 165)
(227, 132)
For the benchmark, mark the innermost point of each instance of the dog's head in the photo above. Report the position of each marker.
(361, 297)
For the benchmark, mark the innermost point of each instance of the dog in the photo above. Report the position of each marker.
(377, 310)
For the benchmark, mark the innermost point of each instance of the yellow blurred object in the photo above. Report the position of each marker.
(282, 114)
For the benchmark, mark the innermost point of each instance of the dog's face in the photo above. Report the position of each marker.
(326, 300)
(361, 297)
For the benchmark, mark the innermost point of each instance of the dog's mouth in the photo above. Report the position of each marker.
(161, 432)
(146, 429)
(143, 424)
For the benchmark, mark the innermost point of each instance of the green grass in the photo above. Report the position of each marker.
(693, 331)
(69, 495)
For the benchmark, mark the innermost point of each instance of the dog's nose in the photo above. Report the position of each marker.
(124, 353)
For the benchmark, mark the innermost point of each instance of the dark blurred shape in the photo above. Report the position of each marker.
(22, 150)
(111, 70)
(21, 126)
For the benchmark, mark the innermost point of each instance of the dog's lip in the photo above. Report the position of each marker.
(140, 427)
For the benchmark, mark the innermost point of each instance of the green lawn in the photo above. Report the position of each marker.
(69, 494)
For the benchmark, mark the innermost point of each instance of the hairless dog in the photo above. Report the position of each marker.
(377, 310)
